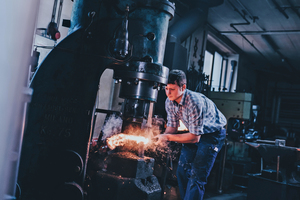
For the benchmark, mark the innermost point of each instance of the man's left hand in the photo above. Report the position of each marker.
(162, 138)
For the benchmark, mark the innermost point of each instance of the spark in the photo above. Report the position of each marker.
(121, 139)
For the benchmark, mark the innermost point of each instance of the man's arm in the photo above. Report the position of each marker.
(170, 135)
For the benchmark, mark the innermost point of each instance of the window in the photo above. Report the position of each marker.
(222, 71)
(208, 61)
(216, 73)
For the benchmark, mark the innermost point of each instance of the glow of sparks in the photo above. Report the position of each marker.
(121, 139)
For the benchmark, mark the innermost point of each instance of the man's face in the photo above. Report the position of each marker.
(174, 92)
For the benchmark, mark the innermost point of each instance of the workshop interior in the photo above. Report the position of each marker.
(85, 96)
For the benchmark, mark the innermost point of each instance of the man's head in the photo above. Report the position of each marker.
(176, 85)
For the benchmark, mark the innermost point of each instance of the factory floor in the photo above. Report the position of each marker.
(172, 193)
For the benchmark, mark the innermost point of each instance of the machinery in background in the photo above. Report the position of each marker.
(267, 168)
(126, 36)
(232, 105)
(237, 128)
(280, 171)
(241, 115)
(241, 118)
(242, 130)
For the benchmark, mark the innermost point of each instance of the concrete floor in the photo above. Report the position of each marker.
(172, 193)
(230, 195)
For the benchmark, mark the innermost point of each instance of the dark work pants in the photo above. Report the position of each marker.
(195, 164)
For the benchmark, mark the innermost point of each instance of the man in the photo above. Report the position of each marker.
(203, 141)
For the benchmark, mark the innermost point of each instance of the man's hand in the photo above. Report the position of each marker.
(162, 138)
(180, 138)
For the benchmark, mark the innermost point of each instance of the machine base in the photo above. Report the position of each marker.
(114, 187)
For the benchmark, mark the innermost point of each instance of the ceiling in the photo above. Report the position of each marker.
(267, 31)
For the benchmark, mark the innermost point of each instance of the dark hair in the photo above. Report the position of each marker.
(177, 77)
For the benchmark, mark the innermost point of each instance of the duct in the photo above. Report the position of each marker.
(179, 31)
(176, 54)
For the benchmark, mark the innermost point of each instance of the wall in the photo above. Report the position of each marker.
(246, 80)
(17, 19)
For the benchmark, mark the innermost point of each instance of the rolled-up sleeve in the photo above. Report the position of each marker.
(172, 119)
(196, 120)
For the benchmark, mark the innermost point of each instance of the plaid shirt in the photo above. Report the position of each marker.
(198, 113)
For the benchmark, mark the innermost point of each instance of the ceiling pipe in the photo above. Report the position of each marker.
(268, 41)
(235, 48)
(183, 28)
(275, 32)
(246, 23)
(293, 7)
(286, 77)
(280, 9)
(252, 17)
(266, 37)
(285, 7)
